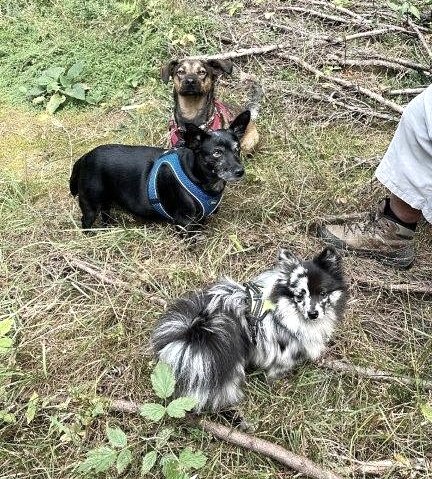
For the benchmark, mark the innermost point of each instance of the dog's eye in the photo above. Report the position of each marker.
(217, 153)
(323, 294)
(299, 296)
(202, 73)
(180, 72)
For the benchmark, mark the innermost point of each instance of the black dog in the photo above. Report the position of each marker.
(182, 186)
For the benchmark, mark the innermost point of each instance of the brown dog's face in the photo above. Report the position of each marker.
(194, 77)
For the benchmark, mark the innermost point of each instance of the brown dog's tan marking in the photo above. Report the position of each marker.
(194, 99)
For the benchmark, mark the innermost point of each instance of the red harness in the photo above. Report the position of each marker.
(221, 116)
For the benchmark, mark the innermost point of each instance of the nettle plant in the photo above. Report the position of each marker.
(56, 86)
(160, 452)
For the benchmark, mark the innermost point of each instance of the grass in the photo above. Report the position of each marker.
(76, 336)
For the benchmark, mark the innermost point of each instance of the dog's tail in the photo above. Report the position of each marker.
(255, 94)
(73, 182)
(206, 347)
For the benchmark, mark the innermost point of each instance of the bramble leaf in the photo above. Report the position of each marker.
(98, 460)
(116, 437)
(123, 460)
(192, 460)
(178, 407)
(152, 411)
(163, 381)
(149, 460)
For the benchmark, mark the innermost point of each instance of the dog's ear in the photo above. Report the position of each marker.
(168, 70)
(239, 124)
(286, 257)
(330, 260)
(221, 66)
(193, 136)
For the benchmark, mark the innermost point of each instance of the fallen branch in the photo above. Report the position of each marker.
(375, 63)
(107, 277)
(354, 109)
(247, 441)
(345, 83)
(418, 288)
(401, 61)
(242, 52)
(406, 91)
(315, 13)
(421, 38)
(379, 468)
(375, 374)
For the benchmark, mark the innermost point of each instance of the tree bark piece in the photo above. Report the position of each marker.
(421, 38)
(406, 91)
(242, 52)
(345, 83)
(371, 373)
(418, 288)
(247, 441)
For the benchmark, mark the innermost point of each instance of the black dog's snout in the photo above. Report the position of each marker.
(313, 314)
(190, 80)
(239, 172)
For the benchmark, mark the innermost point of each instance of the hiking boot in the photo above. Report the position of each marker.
(377, 237)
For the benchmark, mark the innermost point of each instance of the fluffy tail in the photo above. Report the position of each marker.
(206, 349)
(255, 94)
(73, 182)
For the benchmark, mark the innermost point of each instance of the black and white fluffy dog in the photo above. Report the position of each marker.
(282, 317)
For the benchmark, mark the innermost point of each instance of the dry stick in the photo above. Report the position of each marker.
(402, 288)
(367, 372)
(406, 91)
(346, 106)
(368, 63)
(401, 61)
(105, 277)
(378, 468)
(242, 52)
(315, 13)
(247, 441)
(421, 38)
(345, 83)
(348, 12)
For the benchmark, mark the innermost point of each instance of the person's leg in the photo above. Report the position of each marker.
(405, 170)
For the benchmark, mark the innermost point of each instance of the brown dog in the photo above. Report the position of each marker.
(195, 102)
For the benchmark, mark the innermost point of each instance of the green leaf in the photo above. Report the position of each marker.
(7, 417)
(116, 437)
(52, 87)
(426, 410)
(394, 6)
(192, 460)
(152, 411)
(414, 11)
(179, 406)
(43, 80)
(171, 468)
(5, 326)
(98, 460)
(163, 437)
(5, 345)
(35, 91)
(32, 407)
(54, 102)
(123, 460)
(38, 100)
(53, 72)
(163, 380)
(76, 91)
(75, 70)
(65, 81)
(149, 460)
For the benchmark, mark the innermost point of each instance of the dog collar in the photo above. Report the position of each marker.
(208, 203)
(259, 307)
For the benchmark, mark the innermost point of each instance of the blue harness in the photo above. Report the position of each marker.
(208, 203)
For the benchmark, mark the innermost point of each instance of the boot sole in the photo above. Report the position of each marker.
(402, 259)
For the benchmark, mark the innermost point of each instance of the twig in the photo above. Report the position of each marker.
(406, 91)
(402, 61)
(242, 52)
(107, 278)
(315, 13)
(378, 468)
(402, 288)
(345, 83)
(346, 106)
(247, 441)
(368, 63)
(349, 368)
(421, 38)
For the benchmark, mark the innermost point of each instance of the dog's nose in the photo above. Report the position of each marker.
(239, 172)
(190, 80)
(313, 314)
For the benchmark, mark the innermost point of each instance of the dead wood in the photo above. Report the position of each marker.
(242, 52)
(421, 38)
(406, 91)
(345, 83)
(347, 106)
(379, 468)
(402, 61)
(416, 288)
(374, 63)
(371, 373)
(252, 443)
